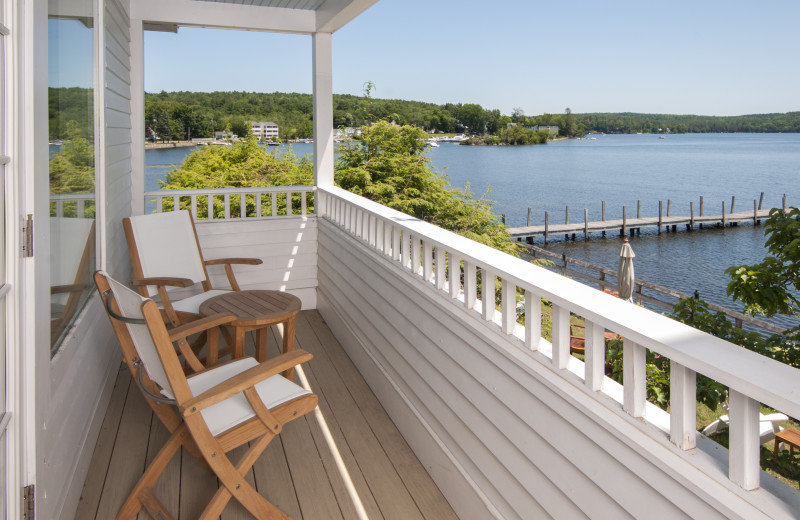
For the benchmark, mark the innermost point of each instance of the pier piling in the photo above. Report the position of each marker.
(633, 226)
(624, 221)
(546, 226)
(723, 213)
(660, 219)
(760, 200)
(733, 201)
(585, 224)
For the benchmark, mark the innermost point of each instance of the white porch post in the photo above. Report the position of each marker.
(137, 117)
(323, 109)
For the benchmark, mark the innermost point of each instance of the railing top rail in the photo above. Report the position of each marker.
(224, 191)
(72, 196)
(761, 378)
(663, 290)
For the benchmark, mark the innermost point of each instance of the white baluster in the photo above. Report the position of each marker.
(273, 200)
(193, 203)
(595, 355)
(509, 306)
(560, 337)
(258, 205)
(682, 406)
(488, 294)
(743, 455)
(634, 377)
(427, 261)
(210, 202)
(304, 204)
(454, 277)
(533, 318)
(440, 268)
(470, 285)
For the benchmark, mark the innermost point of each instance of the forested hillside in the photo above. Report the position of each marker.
(183, 115)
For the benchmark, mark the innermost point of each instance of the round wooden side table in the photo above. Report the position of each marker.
(256, 310)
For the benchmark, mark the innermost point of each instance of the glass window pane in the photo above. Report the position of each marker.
(72, 168)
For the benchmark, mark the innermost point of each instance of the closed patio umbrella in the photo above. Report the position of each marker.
(625, 272)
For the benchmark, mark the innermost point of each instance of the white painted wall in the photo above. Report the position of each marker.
(503, 434)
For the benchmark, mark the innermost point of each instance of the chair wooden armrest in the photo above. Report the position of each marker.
(243, 381)
(240, 261)
(227, 262)
(161, 281)
(76, 287)
(201, 325)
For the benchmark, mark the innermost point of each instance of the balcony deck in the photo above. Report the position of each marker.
(297, 473)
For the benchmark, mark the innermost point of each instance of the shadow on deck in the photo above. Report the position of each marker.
(298, 472)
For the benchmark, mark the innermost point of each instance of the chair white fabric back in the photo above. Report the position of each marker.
(167, 246)
(130, 306)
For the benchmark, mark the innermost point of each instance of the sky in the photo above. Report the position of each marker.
(704, 57)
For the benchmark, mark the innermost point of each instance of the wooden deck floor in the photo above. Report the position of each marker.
(297, 473)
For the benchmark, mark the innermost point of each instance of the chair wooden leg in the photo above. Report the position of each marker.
(141, 493)
(288, 344)
(233, 484)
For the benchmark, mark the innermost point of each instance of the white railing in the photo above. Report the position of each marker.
(80, 200)
(451, 263)
(232, 203)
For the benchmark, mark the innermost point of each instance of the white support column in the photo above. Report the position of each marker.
(743, 462)
(137, 117)
(323, 109)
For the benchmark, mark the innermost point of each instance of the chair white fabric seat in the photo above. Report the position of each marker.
(768, 425)
(235, 410)
(192, 304)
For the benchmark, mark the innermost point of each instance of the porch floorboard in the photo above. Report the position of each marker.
(297, 472)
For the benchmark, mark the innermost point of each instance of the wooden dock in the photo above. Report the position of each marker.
(627, 225)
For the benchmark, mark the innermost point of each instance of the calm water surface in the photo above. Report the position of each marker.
(624, 169)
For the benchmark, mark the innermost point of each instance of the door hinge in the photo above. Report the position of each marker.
(27, 498)
(27, 237)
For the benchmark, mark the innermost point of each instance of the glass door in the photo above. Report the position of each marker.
(5, 414)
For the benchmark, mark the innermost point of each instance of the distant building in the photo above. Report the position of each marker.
(265, 130)
(224, 135)
(347, 132)
(553, 129)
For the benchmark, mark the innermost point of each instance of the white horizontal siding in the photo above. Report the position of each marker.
(501, 433)
(287, 247)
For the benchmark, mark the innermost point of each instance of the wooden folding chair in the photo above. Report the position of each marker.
(165, 255)
(210, 412)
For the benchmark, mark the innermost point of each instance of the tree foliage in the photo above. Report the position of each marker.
(387, 164)
(72, 167)
(245, 164)
(771, 286)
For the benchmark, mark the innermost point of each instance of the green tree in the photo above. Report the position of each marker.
(771, 286)
(568, 129)
(387, 164)
(473, 117)
(72, 168)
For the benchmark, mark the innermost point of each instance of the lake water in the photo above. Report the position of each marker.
(623, 169)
